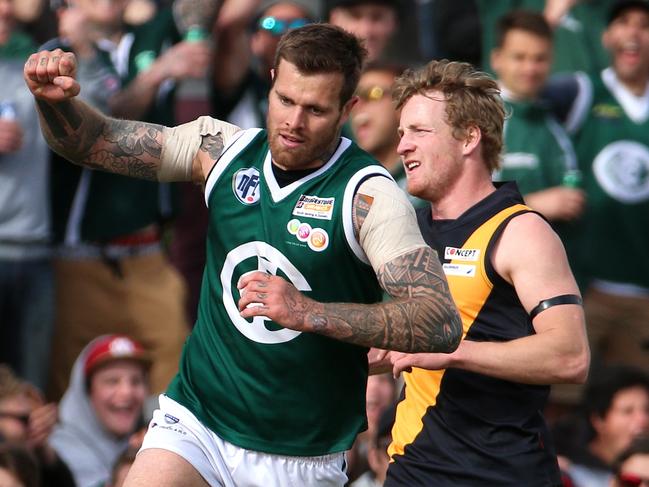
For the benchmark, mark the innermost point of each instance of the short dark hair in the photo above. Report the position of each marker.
(525, 20)
(620, 6)
(324, 48)
(606, 383)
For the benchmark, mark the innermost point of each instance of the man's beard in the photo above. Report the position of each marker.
(304, 155)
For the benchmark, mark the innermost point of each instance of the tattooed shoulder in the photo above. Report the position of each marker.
(212, 145)
(360, 209)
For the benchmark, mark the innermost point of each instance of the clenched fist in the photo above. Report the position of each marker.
(50, 75)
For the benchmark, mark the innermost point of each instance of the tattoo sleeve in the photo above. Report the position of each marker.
(86, 137)
(421, 317)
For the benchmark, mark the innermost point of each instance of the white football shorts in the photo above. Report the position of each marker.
(222, 464)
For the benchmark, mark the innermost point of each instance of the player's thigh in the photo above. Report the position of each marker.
(155, 467)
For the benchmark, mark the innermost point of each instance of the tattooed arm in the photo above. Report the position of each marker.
(84, 136)
(420, 317)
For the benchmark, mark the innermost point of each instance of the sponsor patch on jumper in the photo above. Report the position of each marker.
(453, 253)
(462, 270)
(314, 207)
(316, 238)
(245, 185)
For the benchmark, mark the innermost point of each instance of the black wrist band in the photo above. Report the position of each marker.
(555, 301)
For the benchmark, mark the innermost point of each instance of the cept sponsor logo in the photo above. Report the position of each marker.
(314, 207)
(245, 184)
(453, 253)
(316, 238)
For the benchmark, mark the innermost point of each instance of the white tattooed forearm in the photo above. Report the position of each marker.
(421, 318)
(86, 137)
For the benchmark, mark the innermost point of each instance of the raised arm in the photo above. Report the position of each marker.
(420, 317)
(80, 133)
(531, 257)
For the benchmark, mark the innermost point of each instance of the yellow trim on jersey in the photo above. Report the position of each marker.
(469, 294)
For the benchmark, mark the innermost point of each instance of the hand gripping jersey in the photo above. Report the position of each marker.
(254, 383)
(455, 427)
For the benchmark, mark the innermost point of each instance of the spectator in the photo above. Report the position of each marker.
(632, 466)
(608, 119)
(245, 55)
(373, 21)
(26, 421)
(111, 248)
(538, 153)
(18, 468)
(102, 407)
(374, 121)
(26, 281)
(614, 412)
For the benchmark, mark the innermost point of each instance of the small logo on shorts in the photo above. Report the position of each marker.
(171, 419)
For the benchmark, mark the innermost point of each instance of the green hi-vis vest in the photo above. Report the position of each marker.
(258, 385)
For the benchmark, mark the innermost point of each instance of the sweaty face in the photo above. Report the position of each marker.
(374, 119)
(523, 63)
(117, 393)
(627, 418)
(304, 117)
(375, 24)
(431, 155)
(627, 39)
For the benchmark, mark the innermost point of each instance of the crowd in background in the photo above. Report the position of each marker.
(99, 274)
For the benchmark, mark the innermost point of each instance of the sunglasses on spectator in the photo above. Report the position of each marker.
(373, 93)
(23, 418)
(277, 27)
(631, 480)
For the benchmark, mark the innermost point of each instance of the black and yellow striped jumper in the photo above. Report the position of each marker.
(459, 428)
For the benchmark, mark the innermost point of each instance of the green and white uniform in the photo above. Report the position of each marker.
(611, 134)
(537, 150)
(537, 155)
(254, 383)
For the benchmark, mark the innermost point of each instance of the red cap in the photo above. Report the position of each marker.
(114, 347)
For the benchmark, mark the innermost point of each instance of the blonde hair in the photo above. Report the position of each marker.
(472, 99)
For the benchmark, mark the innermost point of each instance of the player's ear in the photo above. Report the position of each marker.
(473, 136)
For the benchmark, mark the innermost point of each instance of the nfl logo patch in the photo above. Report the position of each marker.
(245, 185)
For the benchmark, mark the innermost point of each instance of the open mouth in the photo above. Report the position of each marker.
(411, 165)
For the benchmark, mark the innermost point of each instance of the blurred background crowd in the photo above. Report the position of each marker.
(100, 274)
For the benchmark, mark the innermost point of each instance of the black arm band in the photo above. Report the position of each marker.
(555, 301)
